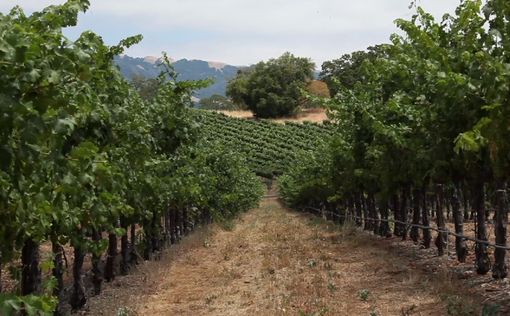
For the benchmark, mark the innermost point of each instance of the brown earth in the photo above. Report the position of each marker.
(279, 262)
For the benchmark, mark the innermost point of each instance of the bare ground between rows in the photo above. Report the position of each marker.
(278, 262)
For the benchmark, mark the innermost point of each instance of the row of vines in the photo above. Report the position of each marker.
(269, 148)
(86, 164)
(425, 132)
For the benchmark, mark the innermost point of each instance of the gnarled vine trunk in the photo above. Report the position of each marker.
(415, 233)
(58, 266)
(349, 203)
(395, 206)
(124, 248)
(109, 270)
(31, 273)
(465, 200)
(357, 208)
(173, 226)
(441, 235)
(133, 253)
(78, 298)
(385, 225)
(427, 236)
(483, 264)
(404, 210)
(500, 269)
(366, 220)
(97, 275)
(458, 218)
(374, 214)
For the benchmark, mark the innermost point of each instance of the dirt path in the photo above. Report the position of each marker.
(278, 262)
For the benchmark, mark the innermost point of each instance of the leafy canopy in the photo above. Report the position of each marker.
(272, 88)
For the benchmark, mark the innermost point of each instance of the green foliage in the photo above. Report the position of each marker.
(30, 305)
(80, 149)
(347, 70)
(124, 311)
(146, 87)
(427, 108)
(269, 148)
(272, 88)
(491, 309)
(321, 312)
(456, 306)
(308, 181)
(364, 294)
(213, 178)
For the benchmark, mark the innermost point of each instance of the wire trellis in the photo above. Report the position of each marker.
(408, 225)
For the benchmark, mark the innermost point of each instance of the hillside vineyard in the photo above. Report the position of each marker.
(269, 148)
(86, 164)
(95, 179)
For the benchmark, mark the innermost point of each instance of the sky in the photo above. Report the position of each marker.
(243, 32)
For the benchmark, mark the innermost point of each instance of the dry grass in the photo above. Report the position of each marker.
(237, 114)
(311, 115)
(277, 262)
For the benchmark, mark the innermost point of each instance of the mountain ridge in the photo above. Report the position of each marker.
(187, 69)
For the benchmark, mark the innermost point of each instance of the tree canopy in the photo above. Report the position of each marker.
(346, 71)
(272, 88)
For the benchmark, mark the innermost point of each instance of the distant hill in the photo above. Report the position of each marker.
(187, 70)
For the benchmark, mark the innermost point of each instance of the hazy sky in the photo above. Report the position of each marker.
(243, 32)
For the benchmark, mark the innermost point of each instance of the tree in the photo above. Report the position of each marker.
(146, 87)
(272, 88)
(346, 71)
(317, 90)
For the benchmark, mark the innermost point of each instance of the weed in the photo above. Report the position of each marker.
(125, 311)
(364, 294)
(210, 299)
(231, 274)
(455, 305)
(348, 228)
(407, 311)
(321, 312)
(316, 221)
(491, 310)
(331, 286)
(311, 263)
(227, 224)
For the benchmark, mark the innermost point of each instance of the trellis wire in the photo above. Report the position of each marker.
(439, 230)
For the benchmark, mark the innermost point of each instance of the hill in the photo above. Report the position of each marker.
(187, 69)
